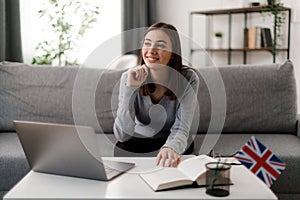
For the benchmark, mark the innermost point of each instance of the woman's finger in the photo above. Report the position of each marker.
(176, 161)
(173, 158)
(137, 74)
(163, 161)
(145, 68)
(158, 159)
(145, 72)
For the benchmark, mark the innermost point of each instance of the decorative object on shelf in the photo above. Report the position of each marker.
(67, 22)
(270, 2)
(218, 40)
(255, 4)
(278, 11)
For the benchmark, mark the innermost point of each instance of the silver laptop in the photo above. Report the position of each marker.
(66, 150)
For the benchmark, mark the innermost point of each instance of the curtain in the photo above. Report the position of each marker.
(136, 16)
(10, 31)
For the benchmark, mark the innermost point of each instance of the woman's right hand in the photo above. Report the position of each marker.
(137, 76)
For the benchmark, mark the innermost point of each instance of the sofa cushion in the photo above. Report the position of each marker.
(286, 147)
(259, 98)
(57, 94)
(13, 164)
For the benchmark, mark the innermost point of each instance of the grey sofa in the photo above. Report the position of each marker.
(260, 100)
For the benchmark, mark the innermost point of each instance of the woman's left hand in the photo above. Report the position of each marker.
(167, 157)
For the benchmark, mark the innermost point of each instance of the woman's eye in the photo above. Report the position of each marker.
(147, 44)
(161, 46)
(158, 46)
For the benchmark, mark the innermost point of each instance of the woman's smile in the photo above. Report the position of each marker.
(152, 59)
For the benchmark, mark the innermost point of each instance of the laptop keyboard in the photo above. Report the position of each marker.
(109, 170)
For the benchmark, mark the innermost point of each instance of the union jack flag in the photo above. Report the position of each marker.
(261, 161)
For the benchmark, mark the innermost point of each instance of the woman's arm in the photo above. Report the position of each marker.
(124, 122)
(180, 130)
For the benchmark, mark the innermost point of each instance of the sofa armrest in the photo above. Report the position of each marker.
(298, 125)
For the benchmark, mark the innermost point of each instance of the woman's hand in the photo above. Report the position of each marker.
(136, 76)
(167, 157)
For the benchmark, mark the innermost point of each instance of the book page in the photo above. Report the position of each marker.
(166, 177)
(195, 166)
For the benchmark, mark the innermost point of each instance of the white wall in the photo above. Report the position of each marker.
(177, 12)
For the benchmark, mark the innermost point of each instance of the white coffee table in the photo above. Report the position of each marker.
(130, 186)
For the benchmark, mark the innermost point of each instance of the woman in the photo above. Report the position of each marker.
(157, 100)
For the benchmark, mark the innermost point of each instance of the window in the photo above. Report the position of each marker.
(34, 31)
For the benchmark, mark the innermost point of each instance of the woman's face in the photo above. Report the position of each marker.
(157, 49)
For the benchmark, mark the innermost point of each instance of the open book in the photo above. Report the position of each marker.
(189, 171)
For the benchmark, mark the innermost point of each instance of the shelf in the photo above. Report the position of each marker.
(241, 49)
(229, 50)
(257, 9)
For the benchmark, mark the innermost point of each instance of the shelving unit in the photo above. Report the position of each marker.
(245, 11)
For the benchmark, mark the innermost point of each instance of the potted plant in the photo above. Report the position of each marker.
(218, 39)
(276, 8)
(67, 22)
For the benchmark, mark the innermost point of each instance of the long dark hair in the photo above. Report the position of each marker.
(175, 61)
